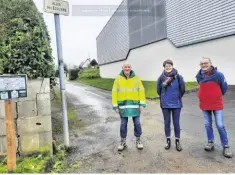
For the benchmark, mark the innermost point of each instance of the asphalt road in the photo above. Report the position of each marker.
(95, 146)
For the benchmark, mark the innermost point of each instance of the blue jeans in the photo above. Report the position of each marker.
(176, 121)
(219, 120)
(137, 126)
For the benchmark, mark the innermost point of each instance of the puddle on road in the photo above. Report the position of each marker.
(96, 103)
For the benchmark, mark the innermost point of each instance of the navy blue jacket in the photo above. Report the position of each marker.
(170, 97)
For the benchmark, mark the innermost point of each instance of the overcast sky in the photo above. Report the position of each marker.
(78, 32)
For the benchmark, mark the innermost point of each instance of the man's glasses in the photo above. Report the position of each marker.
(201, 64)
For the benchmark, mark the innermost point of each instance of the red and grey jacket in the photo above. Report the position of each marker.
(212, 88)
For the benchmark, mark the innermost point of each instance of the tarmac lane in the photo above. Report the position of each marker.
(95, 147)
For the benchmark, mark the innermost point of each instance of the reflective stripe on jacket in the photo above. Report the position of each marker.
(128, 95)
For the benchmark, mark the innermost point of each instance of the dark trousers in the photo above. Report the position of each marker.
(175, 112)
(137, 126)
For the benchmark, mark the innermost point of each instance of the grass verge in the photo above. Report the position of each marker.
(74, 121)
(39, 163)
(32, 164)
(150, 86)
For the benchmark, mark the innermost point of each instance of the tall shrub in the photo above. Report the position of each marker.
(24, 40)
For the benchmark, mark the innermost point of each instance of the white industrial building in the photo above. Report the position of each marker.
(147, 32)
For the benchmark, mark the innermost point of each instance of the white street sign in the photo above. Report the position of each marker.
(13, 86)
(14, 94)
(4, 95)
(60, 7)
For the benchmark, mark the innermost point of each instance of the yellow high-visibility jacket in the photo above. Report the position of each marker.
(128, 95)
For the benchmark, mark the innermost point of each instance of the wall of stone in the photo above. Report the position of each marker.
(32, 120)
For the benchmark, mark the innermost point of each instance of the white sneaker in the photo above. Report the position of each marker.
(122, 144)
(139, 145)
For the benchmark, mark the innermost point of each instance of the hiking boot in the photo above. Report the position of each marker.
(178, 146)
(227, 153)
(209, 146)
(168, 144)
(122, 144)
(139, 145)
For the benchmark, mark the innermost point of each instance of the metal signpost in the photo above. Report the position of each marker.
(11, 87)
(60, 7)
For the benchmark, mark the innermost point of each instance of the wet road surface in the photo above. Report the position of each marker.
(95, 147)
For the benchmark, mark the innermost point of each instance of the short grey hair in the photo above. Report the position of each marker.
(206, 58)
(125, 63)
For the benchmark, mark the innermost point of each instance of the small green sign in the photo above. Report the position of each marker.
(13, 86)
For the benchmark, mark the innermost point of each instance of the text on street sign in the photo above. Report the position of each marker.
(13, 86)
(59, 7)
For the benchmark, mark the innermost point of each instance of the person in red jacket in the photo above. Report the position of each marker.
(212, 88)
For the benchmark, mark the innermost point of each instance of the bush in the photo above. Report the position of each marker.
(1, 66)
(24, 40)
(73, 74)
(90, 73)
(57, 73)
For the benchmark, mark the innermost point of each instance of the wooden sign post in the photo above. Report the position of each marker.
(11, 87)
(10, 133)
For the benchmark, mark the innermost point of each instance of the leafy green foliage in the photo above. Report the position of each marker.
(24, 40)
(57, 73)
(90, 73)
(73, 74)
(2, 61)
(42, 163)
(60, 164)
(65, 67)
(3, 166)
(33, 164)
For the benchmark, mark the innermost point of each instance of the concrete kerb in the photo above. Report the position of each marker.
(149, 98)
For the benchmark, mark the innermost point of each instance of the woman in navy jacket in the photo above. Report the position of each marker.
(171, 88)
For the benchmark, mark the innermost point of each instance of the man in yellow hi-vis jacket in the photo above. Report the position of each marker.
(128, 99)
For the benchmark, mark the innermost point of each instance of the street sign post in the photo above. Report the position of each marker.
(60, 7)
(10, 135)
(11, 87)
